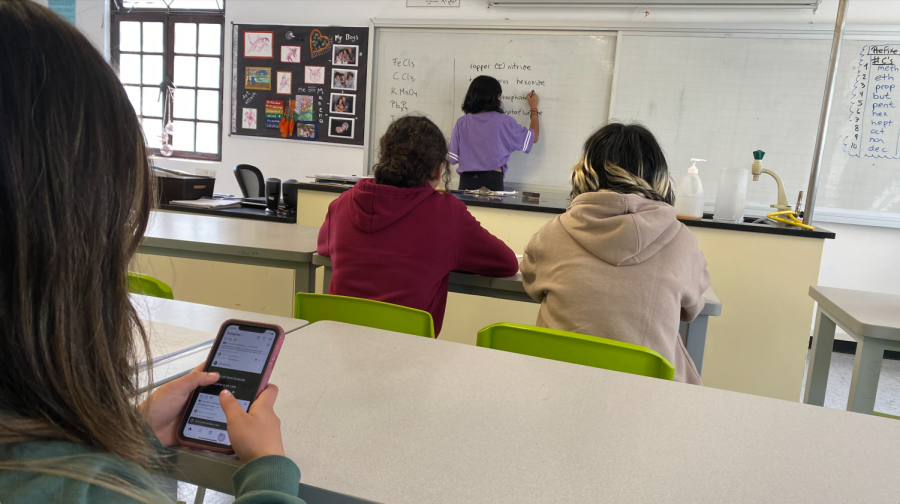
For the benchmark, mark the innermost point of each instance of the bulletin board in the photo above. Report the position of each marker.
(300, 83)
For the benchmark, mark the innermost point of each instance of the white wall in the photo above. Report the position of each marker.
(91, 19)
(284, 159)
(861, 258)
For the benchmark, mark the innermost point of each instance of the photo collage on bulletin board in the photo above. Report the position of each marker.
(304, 83)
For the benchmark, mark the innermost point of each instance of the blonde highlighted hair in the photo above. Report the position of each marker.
(626, 159)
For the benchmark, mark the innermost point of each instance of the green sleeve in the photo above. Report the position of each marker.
(267, 480)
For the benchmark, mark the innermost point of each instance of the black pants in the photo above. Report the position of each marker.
(493, 180)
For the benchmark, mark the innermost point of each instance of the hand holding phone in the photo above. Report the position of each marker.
(255, 433)
(243, 355)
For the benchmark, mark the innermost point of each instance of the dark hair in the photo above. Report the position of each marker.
(412, 149)
(75, 197)
(623, 158)
(483, 95)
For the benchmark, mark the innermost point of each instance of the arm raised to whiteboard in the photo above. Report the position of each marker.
(535, 124)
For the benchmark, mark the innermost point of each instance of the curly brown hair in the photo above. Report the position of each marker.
(412, 148)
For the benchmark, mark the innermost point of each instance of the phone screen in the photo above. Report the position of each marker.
(240, 358)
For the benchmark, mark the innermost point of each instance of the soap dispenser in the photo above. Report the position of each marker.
(689, 199)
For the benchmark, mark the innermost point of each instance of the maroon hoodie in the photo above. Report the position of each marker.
(399, 246)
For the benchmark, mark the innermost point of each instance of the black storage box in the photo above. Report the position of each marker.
(170, 189)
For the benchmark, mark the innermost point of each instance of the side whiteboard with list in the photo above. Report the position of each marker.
(721, 96)
(428, 71)
(300, 83)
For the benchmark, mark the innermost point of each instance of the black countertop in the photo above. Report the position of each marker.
(555, 200)
(238, 213)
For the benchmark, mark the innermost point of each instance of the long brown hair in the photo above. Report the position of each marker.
(75, 197)
(626, 159)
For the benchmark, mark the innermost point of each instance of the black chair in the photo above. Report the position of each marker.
(251, 181)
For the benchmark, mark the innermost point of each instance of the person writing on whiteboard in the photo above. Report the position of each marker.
(483, 139)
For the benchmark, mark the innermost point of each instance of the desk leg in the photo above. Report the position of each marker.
(694, 335)
(819, 360)
(866, 370)
(305, 278)
(326, 279)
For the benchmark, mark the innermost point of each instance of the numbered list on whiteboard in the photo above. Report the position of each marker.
(875, 130)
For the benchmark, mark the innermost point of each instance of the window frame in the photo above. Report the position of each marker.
(169, 19)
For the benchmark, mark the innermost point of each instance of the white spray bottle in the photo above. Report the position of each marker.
(689, 194)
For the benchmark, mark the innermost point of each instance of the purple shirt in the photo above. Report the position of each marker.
(483, 142)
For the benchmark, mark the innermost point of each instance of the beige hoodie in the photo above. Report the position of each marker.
(622, 267)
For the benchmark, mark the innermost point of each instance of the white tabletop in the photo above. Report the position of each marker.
(181, 333)
(401, 419)
(258, 239)
(868, 314)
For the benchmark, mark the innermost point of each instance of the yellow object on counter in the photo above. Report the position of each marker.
(792, 219)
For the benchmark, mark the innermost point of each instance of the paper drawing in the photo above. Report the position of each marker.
(284, 83)
(258, 44)
(249, 119)
(315, 75)
(290, 54)
(258, 78)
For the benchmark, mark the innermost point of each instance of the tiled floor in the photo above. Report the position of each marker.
(840, 373)
(887, 401)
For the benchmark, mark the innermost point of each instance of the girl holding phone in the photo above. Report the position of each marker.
(484, 138)
(75, 198)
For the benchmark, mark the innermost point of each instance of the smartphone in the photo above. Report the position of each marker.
(244, 355)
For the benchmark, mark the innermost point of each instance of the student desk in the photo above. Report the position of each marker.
(759, 347)
(873, 320)
(239, 241)
(693, 333)
(396, 418)
(181, 333)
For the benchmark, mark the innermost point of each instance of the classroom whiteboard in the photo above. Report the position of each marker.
(720, 98)
(428, 72)
(861, 167)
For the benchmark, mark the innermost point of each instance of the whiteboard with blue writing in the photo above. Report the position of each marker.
(427, 71)
(722, 97)
(862, 162)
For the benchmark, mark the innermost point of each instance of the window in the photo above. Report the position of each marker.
(175, 49)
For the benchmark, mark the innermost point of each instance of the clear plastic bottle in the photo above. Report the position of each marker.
(689, 199)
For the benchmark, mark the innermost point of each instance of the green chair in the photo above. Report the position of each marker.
(363, 312)
(577, 349)
(148, 286)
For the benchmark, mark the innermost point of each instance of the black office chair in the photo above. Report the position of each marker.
(251, 181)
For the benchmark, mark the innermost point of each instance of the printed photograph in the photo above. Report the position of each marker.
(340, 127)
(315, 75)
(345, 55)
(343, 79)
(290, 54)
(248, 120)
(258, 78)
(343, 103)
(304, 108)
(284, 83)
(258, 44)
(306, 131)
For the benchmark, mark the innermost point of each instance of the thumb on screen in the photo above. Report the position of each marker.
(230, 406)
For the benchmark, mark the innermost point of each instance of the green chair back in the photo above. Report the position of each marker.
(363, 312)
(148, 286)
(577, 349)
